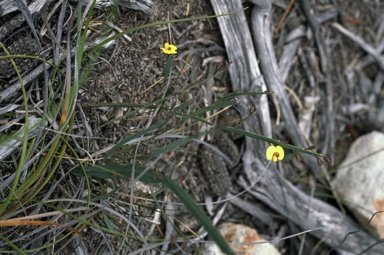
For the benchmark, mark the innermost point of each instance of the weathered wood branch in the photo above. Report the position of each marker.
(262, 37)
(375, 53)
(15, 22)
(275, 191)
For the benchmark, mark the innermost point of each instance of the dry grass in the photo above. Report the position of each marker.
(111, 109)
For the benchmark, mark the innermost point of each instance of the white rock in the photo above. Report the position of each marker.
(242, 240)
(360, 181)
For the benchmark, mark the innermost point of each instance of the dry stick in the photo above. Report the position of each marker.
(287, 58)
(315, 26)
(16, 21)
(260, 20)
(286, 12)
(363, 44)
(169, 225)
(263, 43)
(273, 188)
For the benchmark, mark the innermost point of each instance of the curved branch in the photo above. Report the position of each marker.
(275, 191)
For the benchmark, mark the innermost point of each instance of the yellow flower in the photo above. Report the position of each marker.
(169, 49)
(275, 153)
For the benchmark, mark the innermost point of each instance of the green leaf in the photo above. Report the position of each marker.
(214, 107)
(199, 214)
(273, 141)
(243, 93)
(172, 146)
(168, 66)
(113, 171)
(137, 135)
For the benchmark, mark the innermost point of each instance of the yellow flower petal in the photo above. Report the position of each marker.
(275, 153)
(169, 49)
(281, 152)
(270, 151)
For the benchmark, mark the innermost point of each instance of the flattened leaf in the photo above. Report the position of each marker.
(111, 171)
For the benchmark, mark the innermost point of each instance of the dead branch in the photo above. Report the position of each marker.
(376, 54)
(272, 189)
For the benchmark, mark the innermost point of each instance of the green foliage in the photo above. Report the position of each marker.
(50, 152)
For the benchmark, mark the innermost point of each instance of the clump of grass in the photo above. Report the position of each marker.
(61, 194)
